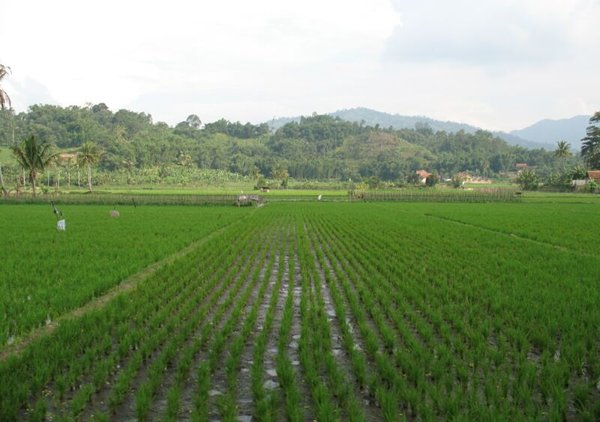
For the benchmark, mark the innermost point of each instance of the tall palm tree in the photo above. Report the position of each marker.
(4, 98)
(33, 157)
(89, 154)
(562, 151)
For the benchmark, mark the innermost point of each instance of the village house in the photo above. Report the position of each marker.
(521, 166)
(582, 183)
(594, 175)
(423, 175)
(469, 178)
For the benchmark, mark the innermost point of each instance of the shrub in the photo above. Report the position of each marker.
(528, 180)
(432, 180)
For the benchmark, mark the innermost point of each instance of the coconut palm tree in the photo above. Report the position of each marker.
(562, 151)
(33, 157)
(88, 155)
(4, 98)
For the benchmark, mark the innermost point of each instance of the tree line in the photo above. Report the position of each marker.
(318, 146)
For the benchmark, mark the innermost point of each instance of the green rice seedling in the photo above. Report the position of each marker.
(201, 400)
(39, 410)
(173, 402)
(325, 410)
(100, 417)
(80, 399)
(227, 408)
(142, 402)
(389, 404)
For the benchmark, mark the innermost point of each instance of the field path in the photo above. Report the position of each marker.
(127, 285)
(519, 236)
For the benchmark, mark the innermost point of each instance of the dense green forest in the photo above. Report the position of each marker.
(317, 147)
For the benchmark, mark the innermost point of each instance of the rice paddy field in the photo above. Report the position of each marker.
(327, 311)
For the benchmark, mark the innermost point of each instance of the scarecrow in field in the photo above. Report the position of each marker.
(61, 224)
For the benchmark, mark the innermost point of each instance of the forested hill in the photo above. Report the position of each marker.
(316, 147)
(396, 121)
(376, 118)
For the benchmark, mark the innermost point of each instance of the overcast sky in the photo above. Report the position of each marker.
(497, 64)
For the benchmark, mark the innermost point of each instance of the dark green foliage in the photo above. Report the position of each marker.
(590, 148)
(237, 129)
(432, 180)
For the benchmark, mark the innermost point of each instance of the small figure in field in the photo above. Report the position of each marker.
(61, 224)
(114, 213)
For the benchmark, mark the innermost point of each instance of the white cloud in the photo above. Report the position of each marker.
(28, 91)
(495, 63)
(123, 52)
(490, 32)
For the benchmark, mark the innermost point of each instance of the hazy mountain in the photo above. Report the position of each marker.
(372, 117)
(396, 121)
(281, 121)
(551, 131)
(511, 139)
(384, 120)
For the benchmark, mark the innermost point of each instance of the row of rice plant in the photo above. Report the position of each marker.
(152, 313)
(391, 313)
(451, 301)
(46, 273)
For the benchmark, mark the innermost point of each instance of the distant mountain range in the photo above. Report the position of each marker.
(570, 130)
(543, 134)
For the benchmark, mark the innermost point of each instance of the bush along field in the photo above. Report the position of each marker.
(339, 312)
